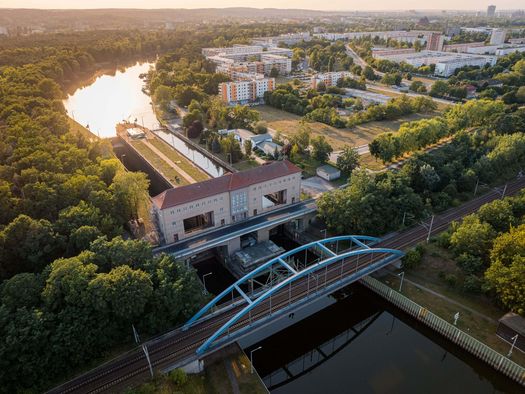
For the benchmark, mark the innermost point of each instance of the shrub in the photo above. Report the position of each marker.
(178, 377)
(412, 258)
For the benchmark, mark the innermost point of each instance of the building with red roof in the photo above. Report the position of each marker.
(187, 210)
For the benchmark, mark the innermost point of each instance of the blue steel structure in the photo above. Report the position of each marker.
(284, 270)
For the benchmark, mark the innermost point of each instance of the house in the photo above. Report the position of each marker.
(269, 147)
(243, 135)
(328, 172)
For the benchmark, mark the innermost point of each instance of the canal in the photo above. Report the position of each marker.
(118, 96)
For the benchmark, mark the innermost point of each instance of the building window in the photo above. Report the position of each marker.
(255, 212)
(222, 222)
(173, 223)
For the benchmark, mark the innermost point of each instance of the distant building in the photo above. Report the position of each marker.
(446, 62)
(243, 135)
(511, 329)
(249, 90)
(329, 79)
(328, 172)
(192, 209)
(288, 39)
(3, 31)
(435, 42)
(491, 11)
(463, 47)
(498, 36)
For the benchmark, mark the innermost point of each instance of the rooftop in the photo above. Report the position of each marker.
(229, 182)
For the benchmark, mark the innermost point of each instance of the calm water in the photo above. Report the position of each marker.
(110, 99)
(363, 345)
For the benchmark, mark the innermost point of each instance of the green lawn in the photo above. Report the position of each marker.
(186, 165)
(160, 165)
(288, 124)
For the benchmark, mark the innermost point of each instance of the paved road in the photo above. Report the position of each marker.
(178, 345)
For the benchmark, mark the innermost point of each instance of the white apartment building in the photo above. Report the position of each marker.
(245, 91)
(497, 37)
(193, 209)
(329, 79)
(288, 39)
(446, 62)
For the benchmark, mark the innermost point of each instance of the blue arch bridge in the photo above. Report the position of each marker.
(284, 284)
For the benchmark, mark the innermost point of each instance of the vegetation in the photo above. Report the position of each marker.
(70, 284)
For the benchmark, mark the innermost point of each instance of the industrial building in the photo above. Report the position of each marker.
(192, 209)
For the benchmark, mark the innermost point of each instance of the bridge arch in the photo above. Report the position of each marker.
(363, 246)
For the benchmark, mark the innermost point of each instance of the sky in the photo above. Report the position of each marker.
(303, 4)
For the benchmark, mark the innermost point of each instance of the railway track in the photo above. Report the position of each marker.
(177, 345)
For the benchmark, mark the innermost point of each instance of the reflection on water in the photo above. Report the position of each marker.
(110, 99)
(363, 345)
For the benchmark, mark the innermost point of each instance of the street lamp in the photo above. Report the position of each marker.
(514, 339)
(402, 276)
(456, 317)
(204, 281)
(251, 357)
(230, 155)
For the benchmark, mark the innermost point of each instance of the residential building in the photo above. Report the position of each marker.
(192, 209)
(243, 135)
(3, 31)
(463, 47)
(376, 52)
(446, 62)
(491, 11)
(329, 79)
(497, 36)
(245, 91)
(435, 42)
(288, 39)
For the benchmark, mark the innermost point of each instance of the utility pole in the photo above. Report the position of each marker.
(147, 358)
(135, 334)
(430, 228)
(476, 188)
(323, 232)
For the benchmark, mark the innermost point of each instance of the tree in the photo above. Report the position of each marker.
(439, 89)
(472, 237)
(302, 138)
(348, 160)
(509, 283)
(27, 245)
(231, 148)
(418, 86)
(321, 149)
(261, 128)
(274, 72)
(21, 291)
(163, 96)
(321, 87)
(195, 129)
(369, 74)
(131, 190)
(248, 147)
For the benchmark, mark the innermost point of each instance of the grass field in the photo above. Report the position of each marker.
(192, 170)
(76, 127)
(159, 164)
(288, 125)
(437, 260)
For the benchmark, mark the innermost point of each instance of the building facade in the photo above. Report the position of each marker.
(193, 209)
(435, 42)
(329, 79)
(245, 91)
(497, 37)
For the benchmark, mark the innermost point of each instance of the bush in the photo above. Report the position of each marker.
(451, 280)
(473, 284)
(412, 258)
(178, 377)
(470, 264)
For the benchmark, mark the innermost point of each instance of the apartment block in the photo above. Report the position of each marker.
(245, 91)
(329, 79)
(193, 209)
(435, 42)
(446, 62)
(498, 36)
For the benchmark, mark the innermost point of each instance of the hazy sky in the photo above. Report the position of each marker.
(305, 4)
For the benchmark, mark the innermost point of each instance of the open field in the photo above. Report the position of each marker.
(288, 125)
(478, 314)
(187, 166)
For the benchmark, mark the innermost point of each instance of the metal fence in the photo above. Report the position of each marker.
(490, 356)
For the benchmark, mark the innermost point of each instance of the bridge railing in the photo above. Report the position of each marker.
(498, 361)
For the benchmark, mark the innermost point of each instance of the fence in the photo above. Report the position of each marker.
(480, 350)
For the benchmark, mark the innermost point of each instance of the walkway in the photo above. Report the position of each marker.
(183, 173)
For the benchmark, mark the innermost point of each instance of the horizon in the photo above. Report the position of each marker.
(309, 5)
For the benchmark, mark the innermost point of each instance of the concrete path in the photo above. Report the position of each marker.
(231, 377)
(183, 173)
(315, 186)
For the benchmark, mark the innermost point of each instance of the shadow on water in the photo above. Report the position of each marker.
(362, 344)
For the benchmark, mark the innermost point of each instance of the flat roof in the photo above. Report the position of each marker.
(329, 169)
(514, 321)
(229, 182)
